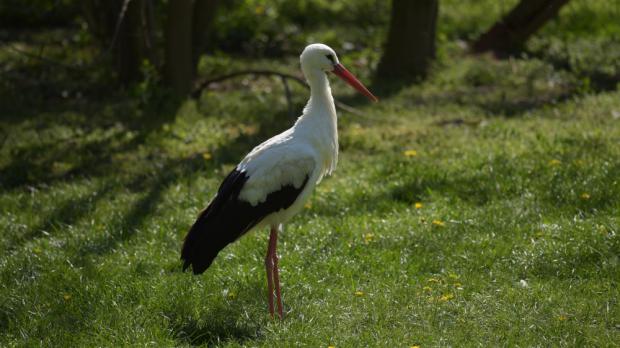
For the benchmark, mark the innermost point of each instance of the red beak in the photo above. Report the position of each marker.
(349, 78)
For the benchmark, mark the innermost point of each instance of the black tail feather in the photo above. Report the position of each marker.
(201, 247)
(227, 218)
(214, 229)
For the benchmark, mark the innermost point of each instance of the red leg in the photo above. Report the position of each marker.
(269, 268)
(276, 272)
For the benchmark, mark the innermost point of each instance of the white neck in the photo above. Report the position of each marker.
(319, 120)
(321, 100)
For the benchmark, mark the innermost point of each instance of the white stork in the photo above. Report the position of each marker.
(272, 182)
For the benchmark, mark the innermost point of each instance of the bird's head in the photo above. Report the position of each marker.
(320, 57)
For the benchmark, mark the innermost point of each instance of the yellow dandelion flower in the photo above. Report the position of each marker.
(562, 317)
(207, 156)
(359, 293)
(555, 162)
(418, 205)
(368, 237)
(439, 223)
(410, 153)
(446, 297)
(585, 196)
(67, 297)
(416, 346)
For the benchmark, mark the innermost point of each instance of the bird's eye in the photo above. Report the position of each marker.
(331, 58)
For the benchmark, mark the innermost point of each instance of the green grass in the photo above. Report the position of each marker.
(93, 218)
(516, 242)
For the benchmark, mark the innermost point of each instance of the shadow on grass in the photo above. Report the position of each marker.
(69, 122)
(66, 213)
(88, 151)
(126, 227)
(527, 177)
(495, 90)
(212, 332)
(579, 263)
(472, 190)
(223, 322)
(6, 314)
(485, 182)
(493, 100)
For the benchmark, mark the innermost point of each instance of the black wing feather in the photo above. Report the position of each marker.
(227, 218)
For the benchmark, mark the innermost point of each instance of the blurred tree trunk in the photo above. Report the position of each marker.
(186, 38)
(204, 12)
(124, 30)
(509, 35)
(133, 41)
(410, 46)
(178, 69)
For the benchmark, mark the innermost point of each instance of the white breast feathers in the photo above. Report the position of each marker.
(274, 164)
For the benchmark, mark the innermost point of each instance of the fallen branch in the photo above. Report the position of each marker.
(283, 76)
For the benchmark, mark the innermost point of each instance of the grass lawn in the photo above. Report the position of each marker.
(479, 208)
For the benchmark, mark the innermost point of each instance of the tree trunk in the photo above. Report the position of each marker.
(410, 46)
(204, 12)
(130, 45)
(124, 31)
(509, 35)
(178, 69)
